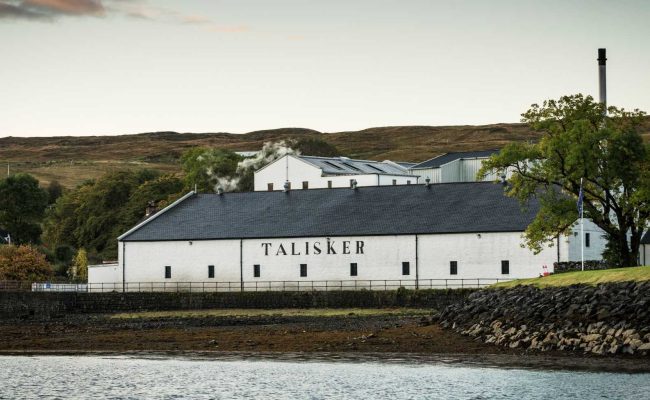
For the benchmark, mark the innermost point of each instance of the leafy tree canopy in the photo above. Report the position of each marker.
(22, 206)
(94, 214)
(580, 142)
(23, 263)
(205, 167)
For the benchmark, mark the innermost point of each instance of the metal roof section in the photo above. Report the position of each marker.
(375, 210)
(349, 166)
(443, 159)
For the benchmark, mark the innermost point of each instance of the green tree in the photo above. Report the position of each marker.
(54, 191)
(94, 214)
(22, 206)
(23, 263)
(206, 168)
(580, 142)
(79, 268)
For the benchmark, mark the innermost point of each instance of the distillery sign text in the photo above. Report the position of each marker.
(315, 248)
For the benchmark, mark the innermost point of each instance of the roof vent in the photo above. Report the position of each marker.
(353, 183)
(344, 158)
(287, 186)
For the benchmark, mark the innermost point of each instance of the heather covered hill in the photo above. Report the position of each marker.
(70, 159)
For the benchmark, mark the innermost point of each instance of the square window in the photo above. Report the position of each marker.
(168, 272)
(394, 181)
(505, 267)
(210, 271)
(256, 271)
(303, 270)
(453, 267)
(353, 269)
(408, 182)
(406, 268)
(269, 187)
(329, 184)
(305, 185)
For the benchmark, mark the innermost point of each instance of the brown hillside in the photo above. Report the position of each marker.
(74, 159)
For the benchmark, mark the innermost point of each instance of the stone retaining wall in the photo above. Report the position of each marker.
(605, 319)
(47, 305)
(571, 266)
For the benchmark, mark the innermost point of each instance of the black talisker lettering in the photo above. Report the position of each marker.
(293, 249)
(346, 247)
(266, 248)
(330, 247)
(359, 246)
(281, 250)
(307, 248)
(317, 248)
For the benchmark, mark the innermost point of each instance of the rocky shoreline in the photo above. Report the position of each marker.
(607, 319)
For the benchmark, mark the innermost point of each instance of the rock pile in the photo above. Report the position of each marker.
(609, 318)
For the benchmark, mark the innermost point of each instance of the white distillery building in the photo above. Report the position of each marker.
(412, 236)
(454, 167)
(309, 172)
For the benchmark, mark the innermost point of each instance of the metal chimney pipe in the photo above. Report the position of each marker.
(602, 77)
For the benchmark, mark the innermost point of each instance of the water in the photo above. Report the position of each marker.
(96, 377)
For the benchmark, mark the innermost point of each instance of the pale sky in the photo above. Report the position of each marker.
(90, 67)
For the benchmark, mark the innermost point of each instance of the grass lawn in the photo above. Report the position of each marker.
(584, 277)
(290, 312)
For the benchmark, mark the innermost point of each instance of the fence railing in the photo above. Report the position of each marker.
(251, 286)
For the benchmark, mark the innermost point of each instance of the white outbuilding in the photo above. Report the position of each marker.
(445, 235)
(454, 167)
(309, 172)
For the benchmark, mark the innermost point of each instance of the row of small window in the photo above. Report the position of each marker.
(305, 184)
(406, 269)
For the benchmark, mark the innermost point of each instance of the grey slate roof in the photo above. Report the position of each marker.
(440, 160)
(374, 210)
(646, 238)
(349, 166)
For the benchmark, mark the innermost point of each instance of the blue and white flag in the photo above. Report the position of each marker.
(580, 199)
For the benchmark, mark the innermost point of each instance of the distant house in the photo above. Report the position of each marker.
(454, 167)
(308, 172)
(644, 254)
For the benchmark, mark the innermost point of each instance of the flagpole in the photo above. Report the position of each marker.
(582, 232)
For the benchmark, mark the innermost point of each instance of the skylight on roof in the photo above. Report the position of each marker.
(375, 168)
(331, 164)
(351, 166)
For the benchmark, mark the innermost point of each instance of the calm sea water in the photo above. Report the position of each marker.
(54, 377)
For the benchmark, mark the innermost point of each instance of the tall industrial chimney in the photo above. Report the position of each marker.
(602, 77)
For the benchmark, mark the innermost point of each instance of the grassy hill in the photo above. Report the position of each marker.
(70, 159)
(636, 274)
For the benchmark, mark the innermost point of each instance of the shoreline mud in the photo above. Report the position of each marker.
(378, 337)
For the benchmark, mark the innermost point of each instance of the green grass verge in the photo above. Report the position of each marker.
(308, 312)
(584, 277)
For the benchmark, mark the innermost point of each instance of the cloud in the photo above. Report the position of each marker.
(49, 9)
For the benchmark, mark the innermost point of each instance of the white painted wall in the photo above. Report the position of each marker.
(300, 171)
(645, 254)
(189, 260)
(107, 277)
(597, 242)
(480, 256)
(380, 258)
